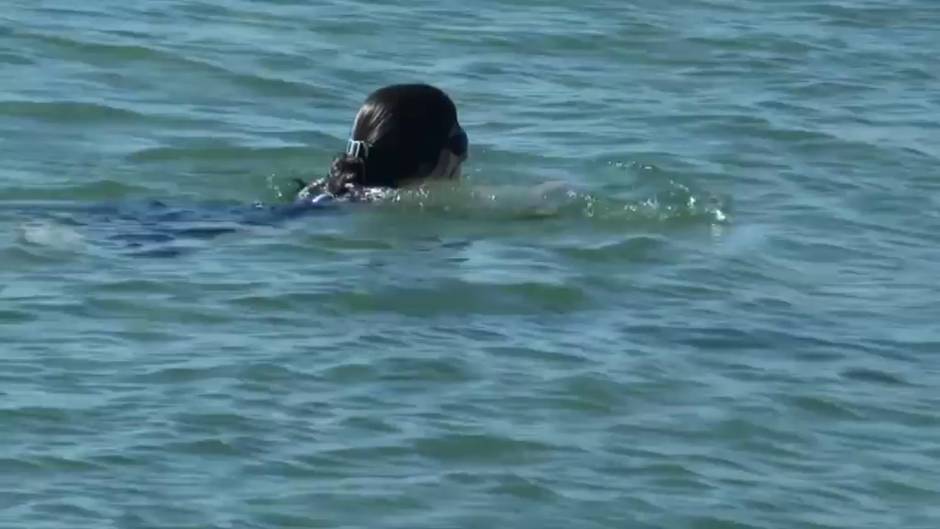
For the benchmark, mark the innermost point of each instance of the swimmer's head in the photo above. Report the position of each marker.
(403, 134)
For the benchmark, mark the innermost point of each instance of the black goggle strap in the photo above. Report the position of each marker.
(458, 143)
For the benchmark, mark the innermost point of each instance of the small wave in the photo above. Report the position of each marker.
(484, 448)
(875, 376)
(522, 488)
(108, 54)
(17, 316)
(67, 45)
(222, 153)
(67, 111)
(97, 190)
(14, 58)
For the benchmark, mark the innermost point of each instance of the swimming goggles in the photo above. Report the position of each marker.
(458, 143)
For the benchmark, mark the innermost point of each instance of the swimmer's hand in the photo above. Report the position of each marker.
(312, 193)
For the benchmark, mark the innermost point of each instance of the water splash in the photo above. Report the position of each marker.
(640, 191)
(50, 235)
(668, 202)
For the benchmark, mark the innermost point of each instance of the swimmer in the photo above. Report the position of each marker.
(403, 135)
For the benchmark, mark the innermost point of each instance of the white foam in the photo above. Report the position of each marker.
(50, 235)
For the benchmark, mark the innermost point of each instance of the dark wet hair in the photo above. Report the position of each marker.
(405, 127)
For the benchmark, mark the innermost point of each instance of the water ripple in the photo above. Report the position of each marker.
(688, 280)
